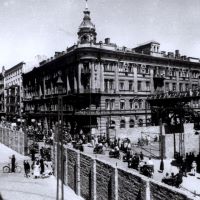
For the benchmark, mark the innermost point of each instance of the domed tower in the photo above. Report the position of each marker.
(87, 32)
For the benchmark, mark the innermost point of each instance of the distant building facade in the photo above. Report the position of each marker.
(105, 86)
(13, 92)
(2, 109)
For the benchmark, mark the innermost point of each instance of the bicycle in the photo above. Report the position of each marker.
(7, 168)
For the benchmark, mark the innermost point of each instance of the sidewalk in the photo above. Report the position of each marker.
(16, 186)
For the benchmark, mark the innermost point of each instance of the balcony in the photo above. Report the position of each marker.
(111, 112)
(85, 71)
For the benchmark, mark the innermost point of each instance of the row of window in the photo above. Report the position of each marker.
(172, 72)
(131, 123)
(13, 74)
(181, 87)
(145, 69)
(141, 86)
(110, 104)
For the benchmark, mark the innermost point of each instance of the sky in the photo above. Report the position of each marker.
(34, 29)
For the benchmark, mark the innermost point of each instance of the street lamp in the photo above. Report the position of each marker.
(60, 138)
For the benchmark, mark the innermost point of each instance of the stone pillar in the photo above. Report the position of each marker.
(116, 182)
(78, 185)
(66, 167)
(148, 194)
(94, 195)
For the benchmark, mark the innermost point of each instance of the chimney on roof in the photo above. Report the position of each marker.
(184, 57)
(177, 54)
(163, 53)
(107, 40)
(170, 54)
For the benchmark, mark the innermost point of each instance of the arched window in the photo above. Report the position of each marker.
(131, 123)
(140, 102)
(122, 123)
(136, 104)
(112, 124)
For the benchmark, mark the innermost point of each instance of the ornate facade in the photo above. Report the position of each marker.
(105, 86)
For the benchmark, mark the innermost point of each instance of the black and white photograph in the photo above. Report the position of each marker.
(99, 100)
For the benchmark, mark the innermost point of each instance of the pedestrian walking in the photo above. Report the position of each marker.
(41, 166)
(194, 168)
(13, 163)
(36, 171)
(26, 168)
(184, 168)
(141, 156)
(32, 151)
(42, 152)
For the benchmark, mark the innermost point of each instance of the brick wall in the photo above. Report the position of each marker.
(86, 176)
(131, 186)
(161, 191)
(13, 139)
(95, 179)
(105, 181)
(72, 169)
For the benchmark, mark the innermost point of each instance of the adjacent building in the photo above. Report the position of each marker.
(104, 86)
(2, 110)
(13, 92)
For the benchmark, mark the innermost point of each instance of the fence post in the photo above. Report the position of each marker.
(78, 188)
(116, 182)
(148, 193)
(66, 168)
(94, 179)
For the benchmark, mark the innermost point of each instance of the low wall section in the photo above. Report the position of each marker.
(94, 179)
(15, 140)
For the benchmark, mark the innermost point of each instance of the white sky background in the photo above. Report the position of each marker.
(41, 27)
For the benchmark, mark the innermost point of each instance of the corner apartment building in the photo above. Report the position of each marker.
(105, 86)
(13, 92)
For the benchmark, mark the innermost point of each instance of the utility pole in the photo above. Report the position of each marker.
(60, 158)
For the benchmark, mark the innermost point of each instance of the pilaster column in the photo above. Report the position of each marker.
(135, 79)
(92, 76)
(177, 81)
(101, 77)
(80, 67)
(117, 78)
(151, 80)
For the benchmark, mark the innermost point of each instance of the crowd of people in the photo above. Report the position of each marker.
(190, 163)
(173, 180)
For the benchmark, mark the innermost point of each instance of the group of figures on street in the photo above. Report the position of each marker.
(38, 168)
(190, 163)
